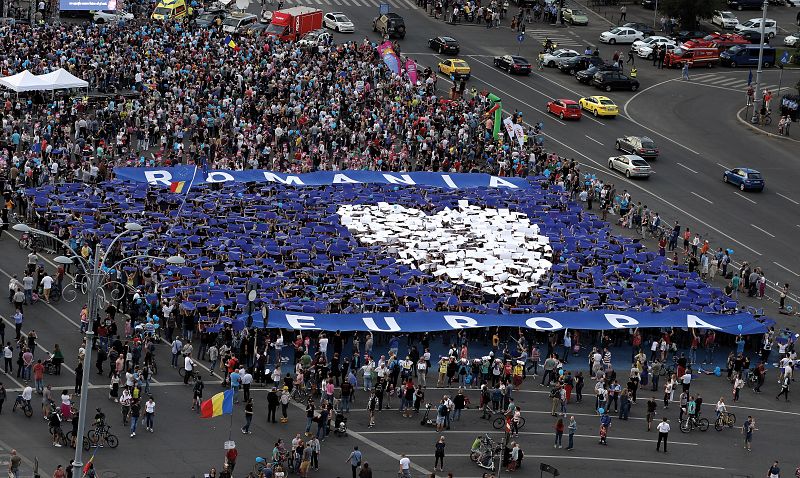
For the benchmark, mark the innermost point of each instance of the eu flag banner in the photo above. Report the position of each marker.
(368, 250)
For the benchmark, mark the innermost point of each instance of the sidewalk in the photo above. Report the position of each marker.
(745, 114)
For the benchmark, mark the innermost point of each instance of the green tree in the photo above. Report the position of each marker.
(690, 12)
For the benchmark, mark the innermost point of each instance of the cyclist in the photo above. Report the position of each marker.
(691, 409)
(55, 428)
(99, 419)
(720, 408)
(197, 393)
(27, 394)
(476, 445)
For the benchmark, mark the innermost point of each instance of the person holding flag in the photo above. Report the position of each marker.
(219, 404)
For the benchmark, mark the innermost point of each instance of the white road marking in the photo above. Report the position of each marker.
(762, 230)
(744, 197)
(686, 167)
(720, 164)
(622, 460)
(479, 432)
(788, 198)
(598, 142)
(786, 268)
(701, 197)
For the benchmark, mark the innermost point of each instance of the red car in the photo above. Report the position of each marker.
(564, 108)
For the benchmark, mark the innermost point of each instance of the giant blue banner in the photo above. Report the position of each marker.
(196, 176)
(740, 323)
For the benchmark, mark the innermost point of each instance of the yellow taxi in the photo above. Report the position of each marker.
(455, 68)
(599, 105)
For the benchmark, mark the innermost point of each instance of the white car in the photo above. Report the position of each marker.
(754, 25)
(646, 51)
(105, 16)
(792, 40)
(651, 41)
(724, 19)
(316, 38)
(338, 22)
(550, 59)
(621, 35)
(631, 165)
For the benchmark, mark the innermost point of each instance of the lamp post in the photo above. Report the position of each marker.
(756, 109)
(93, 269)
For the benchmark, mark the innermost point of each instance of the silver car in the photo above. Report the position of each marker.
(631, 165)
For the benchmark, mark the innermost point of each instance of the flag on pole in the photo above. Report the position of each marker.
(88, 464)
(176, 186)
(219, 404)
(750, 78)
(229, 42)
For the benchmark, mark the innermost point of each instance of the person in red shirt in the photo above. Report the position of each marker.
(230, 459)
(38, 376)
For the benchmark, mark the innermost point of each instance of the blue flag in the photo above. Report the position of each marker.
(750, 77)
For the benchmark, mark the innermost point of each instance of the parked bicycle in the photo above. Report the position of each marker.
(725, 419)
(23, 404)
(300, 394)
(690, 423)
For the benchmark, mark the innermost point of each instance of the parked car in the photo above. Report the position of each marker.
(743, 4)
(621, 35)
(338, 22)
(564, 108)
(550, 59)
(754, 25)
(209, 18)
(599, 106)
(575, 64)
(513, 64)
(792, 40)
(744, 178)
(754, 37)
(104, 16)
(648, 51)
(455, 67)
(316, 38)
(685, 35)
(639, 145)
(585, 76)
(631, 165)
(645, 28)
(390, 24)
(747, 55)
(724, 19)
(651, 42)
(444, 45)
(614, 80)
(649, 4)
(573, 16)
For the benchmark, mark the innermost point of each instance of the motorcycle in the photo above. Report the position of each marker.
(340, 425)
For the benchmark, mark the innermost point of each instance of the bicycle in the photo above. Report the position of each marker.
(725, 419)
(499, 423)
(61, 438)
(300, 394)
(55, 293)
(25, 405)
(102, 432)
(690, 423)
(29, 241)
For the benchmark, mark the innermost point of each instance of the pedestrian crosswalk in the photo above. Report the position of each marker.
(406, 4)
(731, 81)
(539, 36)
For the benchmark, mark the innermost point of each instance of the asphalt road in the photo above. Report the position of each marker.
(693, 123)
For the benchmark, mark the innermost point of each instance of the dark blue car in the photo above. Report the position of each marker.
(745, 178)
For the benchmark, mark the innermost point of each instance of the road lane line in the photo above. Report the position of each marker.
(762, 230)
(598, 142)
(479, 432)
(786, 269)
(630, 118)
(720, 164)
(623, 460)
(701, 197)
(686, 167)
(788, 199)
(744, 197)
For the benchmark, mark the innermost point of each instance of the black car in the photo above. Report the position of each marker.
(585, 76)
(391, 25)
(575, 64)
(207, 19)
(614, 80)
(686, 35)
(753, 37)
(646, 29)
(513, 64)
(649, 4)
(444, 45)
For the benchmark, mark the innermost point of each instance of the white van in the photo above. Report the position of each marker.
(754, 25)
(235, 22)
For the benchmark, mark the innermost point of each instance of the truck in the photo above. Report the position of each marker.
(290, 24)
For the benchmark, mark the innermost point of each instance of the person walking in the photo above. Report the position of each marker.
(2, 397)
(573, 427)
(133, 415)
(663, 432)
(355, 460)
(623, 12)
(787, 379)
(439, 454)
(405, 467)
(248, 416)
(366, 471)
(559, 426)
(149, 412)
(685, 71)
(747, 431)
(774, 471)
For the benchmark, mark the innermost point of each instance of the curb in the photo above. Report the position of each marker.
(759, 130)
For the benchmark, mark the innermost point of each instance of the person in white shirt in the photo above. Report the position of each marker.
(720, 408)
(27, 394)
(47, 286)
(188, 366)
(323, 345)
(149, 411)
(686, 381)
(663, 432)
(405, 466)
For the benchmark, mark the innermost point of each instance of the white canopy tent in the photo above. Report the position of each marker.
(60, 79)
(25, 81)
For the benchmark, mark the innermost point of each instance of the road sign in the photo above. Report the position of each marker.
(384, 8)
(521, 37)
(785, 57)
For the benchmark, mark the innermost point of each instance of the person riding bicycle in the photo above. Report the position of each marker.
(55, 427)
(99, 419)
(691, 409)
(476, 445)
(27, 394)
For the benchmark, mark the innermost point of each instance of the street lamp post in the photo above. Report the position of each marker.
(93, 271)
(756, 108)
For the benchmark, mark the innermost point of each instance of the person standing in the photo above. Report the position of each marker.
(774, 471)
(248, 416)
(573, 427)
(787, 379)
(559, 432)
(355, 460)
(651, 411)
(623, 12)
(284, 400)
(149, 412)
(315, 447)
(685, 71)
(663, 432)
(439, 454)
(2, 396)
(405, 467)
(272, 405)
(747, 431)
(133, 415)
(366, 471)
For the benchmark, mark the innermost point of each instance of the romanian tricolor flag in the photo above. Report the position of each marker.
(219, 404)
(177, 186)
(88, 465)
(229, 41)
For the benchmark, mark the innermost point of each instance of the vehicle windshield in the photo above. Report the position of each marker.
(736, 48)
(577, 12)
(748, 23)
(753, 175)
(162, 11)
(573, 107)
(206, 17)
(728, 15)
(460, 64)
(616, 30)
(341, 18)
(607, 102)
(277, 29)
(648, 144)
(639, 162)
(232, 21)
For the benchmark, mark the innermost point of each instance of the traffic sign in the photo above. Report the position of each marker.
(521, 37)
(384, 8)
(785, 57)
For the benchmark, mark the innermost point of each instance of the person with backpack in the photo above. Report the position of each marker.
(441, 415)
